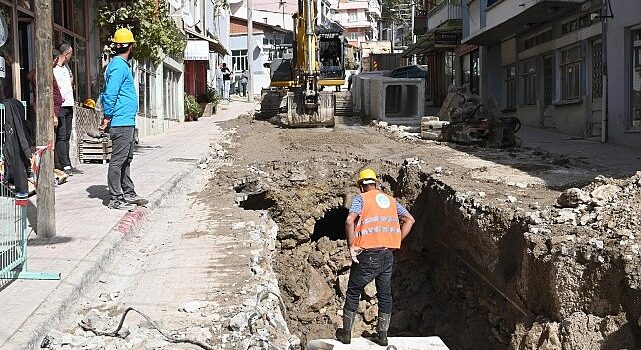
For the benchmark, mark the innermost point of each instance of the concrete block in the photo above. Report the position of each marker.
(397, 100)
(404, 343)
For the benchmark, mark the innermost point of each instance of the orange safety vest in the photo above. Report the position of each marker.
(378, 225)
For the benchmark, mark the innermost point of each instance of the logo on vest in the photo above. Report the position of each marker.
(382, 201)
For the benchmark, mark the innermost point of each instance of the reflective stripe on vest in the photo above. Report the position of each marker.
(378, 225)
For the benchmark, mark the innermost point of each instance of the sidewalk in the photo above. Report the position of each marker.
(610, 159)
(88, 232)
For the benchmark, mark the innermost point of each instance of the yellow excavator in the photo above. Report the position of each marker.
(301, 71)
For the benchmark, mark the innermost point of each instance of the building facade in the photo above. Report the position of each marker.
(265, 38)
(544, 61)
(360, 18)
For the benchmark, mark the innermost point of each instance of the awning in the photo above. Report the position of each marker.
(197, 50)
(433, 41)
(213, 44)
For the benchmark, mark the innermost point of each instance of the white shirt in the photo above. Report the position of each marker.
(63, 78)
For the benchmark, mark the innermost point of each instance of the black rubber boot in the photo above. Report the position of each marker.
(344, 335)
(380, 337)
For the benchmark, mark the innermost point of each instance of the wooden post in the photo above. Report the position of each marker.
(44, 123)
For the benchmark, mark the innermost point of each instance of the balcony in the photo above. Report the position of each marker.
(507, 17)
(374, 8)
(360, 23)
(445, 12)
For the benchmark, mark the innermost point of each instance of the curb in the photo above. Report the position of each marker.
(53, 309)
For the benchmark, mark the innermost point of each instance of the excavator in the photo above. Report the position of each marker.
(300, 72)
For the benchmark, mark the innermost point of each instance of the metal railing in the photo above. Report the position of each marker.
(13, 225)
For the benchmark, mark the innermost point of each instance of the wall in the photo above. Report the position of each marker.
(627, 14)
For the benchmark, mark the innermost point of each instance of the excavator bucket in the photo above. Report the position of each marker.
(300, 117)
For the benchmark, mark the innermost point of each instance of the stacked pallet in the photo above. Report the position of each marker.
(90, 150)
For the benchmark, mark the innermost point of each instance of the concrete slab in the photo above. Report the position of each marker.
(396, 343)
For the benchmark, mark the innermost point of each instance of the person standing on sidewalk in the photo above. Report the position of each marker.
(63, 77)
(244, 79)
(226, 81)
(120, 106)
(375, 226)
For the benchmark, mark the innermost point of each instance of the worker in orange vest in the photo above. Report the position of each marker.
(375, 226)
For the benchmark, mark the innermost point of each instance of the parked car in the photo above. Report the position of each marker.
(412, 71)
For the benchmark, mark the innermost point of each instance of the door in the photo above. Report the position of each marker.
(548, 89)
(593, 127)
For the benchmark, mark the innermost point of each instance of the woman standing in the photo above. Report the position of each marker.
(244, 78)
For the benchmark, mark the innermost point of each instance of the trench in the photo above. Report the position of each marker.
(466, 273)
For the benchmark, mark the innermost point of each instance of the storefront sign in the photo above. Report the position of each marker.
(3, 72)
(447, 39)
(197, 50)
(4, 31)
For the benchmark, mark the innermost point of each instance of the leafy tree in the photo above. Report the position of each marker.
(156, 33)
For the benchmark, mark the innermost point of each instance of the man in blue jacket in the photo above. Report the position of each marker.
(120, 106)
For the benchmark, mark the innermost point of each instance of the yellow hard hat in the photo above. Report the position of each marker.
(89, 103)
(366, 176)
(123, 36)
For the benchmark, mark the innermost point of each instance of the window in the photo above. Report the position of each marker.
(571, 73)
(529, 82)
(578, 23)
(352, 16)
(597, 69)
(352, 35)
(548, 80)
(537, 39)
(145, 81)
(238, 60)
(170, 82)
(636, 78)
(510, 86)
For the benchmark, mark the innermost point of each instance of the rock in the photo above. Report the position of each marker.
(319, 294)
(342, 283)
(572, 198)
(192, 306)
(238, 323)
(370, 290)
(482, 194)
(438, 169)
(565, 216)
(370, 314)
(401, 320)
(521, 185)
(511, 199)
(604, 193)
(297, 177)
(95, 319)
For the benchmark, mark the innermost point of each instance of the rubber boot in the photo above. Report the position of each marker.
(380, 337)
(344, 335)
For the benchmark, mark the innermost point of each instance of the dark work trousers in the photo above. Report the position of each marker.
(244, 85)
(63, 135)
(372, 264)
(118, 175)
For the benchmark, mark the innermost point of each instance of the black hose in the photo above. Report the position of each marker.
(170, 338)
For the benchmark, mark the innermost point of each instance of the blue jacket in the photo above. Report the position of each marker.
(119, 99)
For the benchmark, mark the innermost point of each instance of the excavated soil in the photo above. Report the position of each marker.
(492, 263)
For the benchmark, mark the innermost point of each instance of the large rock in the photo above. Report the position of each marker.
(572, 198)
(319, 293)
(370, 290)
(604, 193)
(342, 283)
